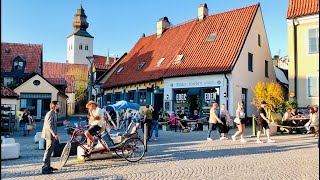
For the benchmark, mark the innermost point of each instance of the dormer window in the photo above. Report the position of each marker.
(18, 64)
(178, 59)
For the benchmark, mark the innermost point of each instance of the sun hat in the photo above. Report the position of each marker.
(91, 102)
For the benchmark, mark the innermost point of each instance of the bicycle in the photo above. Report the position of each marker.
(131, 148)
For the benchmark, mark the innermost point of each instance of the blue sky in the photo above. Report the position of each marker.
(118, 25)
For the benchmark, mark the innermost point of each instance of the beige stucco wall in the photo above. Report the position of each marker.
(43, 87)
(71, 103)
(308, 64)
(62, 99)
(241, 77)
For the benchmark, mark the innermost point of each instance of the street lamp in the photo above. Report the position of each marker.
(91, 60)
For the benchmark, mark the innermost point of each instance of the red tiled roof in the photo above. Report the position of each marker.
(190, 40)
(7, 92)
(100, 62)
(302, 8)
(70, 72)
(57, 81)
(32, 53)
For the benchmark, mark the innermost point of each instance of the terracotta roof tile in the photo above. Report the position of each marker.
(298, 8)
(57, 81)
(100, 62)
(32, 53)
(70, 72)
(7, 92)
(190, 40)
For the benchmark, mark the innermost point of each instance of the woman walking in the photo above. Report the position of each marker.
(224, 126)
(240, 121)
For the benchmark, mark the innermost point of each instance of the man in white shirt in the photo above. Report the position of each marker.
(96, 121)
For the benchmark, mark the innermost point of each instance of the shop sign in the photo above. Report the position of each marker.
(210, 97)
(181, 98)
(196, 83)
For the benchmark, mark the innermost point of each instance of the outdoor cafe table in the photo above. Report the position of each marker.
(299, 121)
(192, 122)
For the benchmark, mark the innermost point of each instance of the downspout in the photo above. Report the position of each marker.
(227, 93)
(295, 57)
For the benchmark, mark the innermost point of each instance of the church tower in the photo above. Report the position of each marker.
(80, 42)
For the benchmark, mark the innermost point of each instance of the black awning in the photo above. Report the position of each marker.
(193, 91)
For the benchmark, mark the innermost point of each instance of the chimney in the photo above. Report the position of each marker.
(202, 11)
(162, 24)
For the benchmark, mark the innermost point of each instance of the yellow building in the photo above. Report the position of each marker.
(36, 93)
(303, 51)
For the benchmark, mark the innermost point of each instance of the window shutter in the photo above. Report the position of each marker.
(148, 97)
(313, 86)
(113, 99)
(104, 100)
(136, 99)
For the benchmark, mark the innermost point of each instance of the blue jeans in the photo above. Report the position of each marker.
(24, 127)
(155, 127)
(210, 129)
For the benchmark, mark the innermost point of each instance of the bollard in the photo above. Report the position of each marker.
(254, 133)
(145, 137)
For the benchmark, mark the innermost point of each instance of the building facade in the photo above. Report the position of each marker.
(303, 51)
(217, 58)
(36, 93)
(18, 61)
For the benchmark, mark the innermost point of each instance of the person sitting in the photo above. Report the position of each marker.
(286, 115)
(294, 112)
(175, 122)
(195, 115)
(313, 122)
(182, 115)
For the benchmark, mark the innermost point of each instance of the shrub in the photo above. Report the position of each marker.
(271, 93)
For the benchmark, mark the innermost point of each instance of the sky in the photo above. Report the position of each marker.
(118, 25)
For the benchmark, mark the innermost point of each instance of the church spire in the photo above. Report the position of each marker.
(80, 19)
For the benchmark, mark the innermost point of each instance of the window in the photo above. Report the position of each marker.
(140, 66)
(259, 40)
(131, 96)
(142, 97)
(250, 62)
(160, 62)
(313, 86)
(119, 70)
(266, 67)
(80, 46)
(86, 47)
(108, 98)
(117, 97)
(313, 40)
(178, 59)
(212, 37)
(18, 65)
(36, 82)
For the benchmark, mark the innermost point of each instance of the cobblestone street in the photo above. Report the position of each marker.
(182, 156)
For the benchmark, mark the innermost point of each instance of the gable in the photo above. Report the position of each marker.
(29, 86)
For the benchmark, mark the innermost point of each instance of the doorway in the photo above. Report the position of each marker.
(158, 100)
(244, 99)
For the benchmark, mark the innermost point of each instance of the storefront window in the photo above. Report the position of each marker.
(210, 96)
(117, 97)
(142, 97)
(131, 96)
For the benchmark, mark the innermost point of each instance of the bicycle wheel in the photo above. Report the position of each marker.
(133, 149)
(119, 153)
(65, 154)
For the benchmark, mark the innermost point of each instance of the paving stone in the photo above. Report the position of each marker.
(181, 156)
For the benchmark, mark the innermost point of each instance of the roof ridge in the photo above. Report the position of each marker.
(21, 44)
